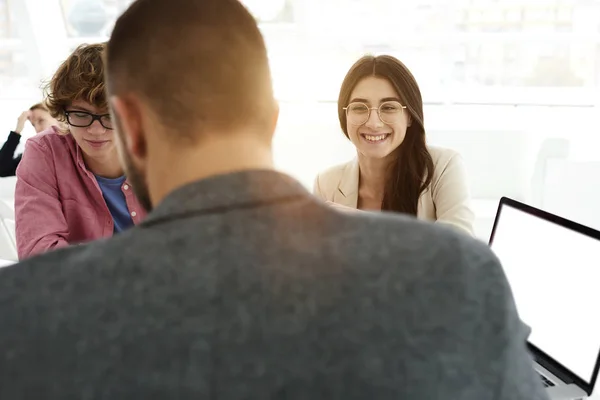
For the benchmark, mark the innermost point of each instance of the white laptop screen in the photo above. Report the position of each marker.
(554, 273)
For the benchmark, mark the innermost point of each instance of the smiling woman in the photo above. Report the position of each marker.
(71, 187)
(381, 112)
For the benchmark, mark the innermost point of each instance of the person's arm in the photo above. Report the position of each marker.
(8, 161)
(507, 335)
(39, 220)
(475, 332)
(451, 196)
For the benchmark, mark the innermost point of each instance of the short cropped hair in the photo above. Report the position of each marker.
(198, 64)
(38, 106)
(79, 77)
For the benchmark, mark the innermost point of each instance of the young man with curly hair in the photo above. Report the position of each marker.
(71, 187)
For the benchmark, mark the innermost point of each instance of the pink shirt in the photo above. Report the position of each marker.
(58, 200)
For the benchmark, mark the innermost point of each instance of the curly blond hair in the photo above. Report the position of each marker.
(79, 77)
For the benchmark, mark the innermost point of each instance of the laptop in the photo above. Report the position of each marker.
(553, 267)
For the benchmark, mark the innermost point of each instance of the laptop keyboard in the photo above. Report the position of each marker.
(545, 381)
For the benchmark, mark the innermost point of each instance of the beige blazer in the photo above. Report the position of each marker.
(446, 200)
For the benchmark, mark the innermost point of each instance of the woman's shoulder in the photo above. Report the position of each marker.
(441, 156)
(328, 180)
(448, 165)
(335, 171)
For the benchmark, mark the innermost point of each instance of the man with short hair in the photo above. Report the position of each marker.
(240, 284)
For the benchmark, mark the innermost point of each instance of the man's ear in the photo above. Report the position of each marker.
(276, 114)
(274, 119)
(127, 116)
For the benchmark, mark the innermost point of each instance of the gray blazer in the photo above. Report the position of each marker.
(246, 286)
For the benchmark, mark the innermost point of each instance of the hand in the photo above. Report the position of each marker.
(21, 121)
(341, 207)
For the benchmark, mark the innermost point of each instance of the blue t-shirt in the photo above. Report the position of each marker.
(115, 200)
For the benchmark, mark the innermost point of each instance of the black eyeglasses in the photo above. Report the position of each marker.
(83, 119)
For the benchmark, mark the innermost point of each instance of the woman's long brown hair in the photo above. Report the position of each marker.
(411, 171)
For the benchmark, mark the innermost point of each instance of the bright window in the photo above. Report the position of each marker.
(512, 85)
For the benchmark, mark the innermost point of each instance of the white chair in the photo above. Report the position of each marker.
(7, 187)
(8, 247)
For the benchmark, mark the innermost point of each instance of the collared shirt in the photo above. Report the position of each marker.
(58, 200)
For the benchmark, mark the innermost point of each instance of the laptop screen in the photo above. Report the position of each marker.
(554, 273)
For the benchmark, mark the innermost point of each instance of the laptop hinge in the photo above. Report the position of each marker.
(553, 369)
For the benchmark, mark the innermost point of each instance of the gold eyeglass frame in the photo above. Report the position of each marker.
(372, 108)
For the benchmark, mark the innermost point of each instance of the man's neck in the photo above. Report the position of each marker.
(108, 167)
(180, 166)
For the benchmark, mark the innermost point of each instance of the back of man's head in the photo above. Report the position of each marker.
(200, 66)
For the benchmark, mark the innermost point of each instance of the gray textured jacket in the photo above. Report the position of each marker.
(244, 286)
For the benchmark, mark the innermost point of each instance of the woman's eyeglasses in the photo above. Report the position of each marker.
(389, 112)
(83, 119)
